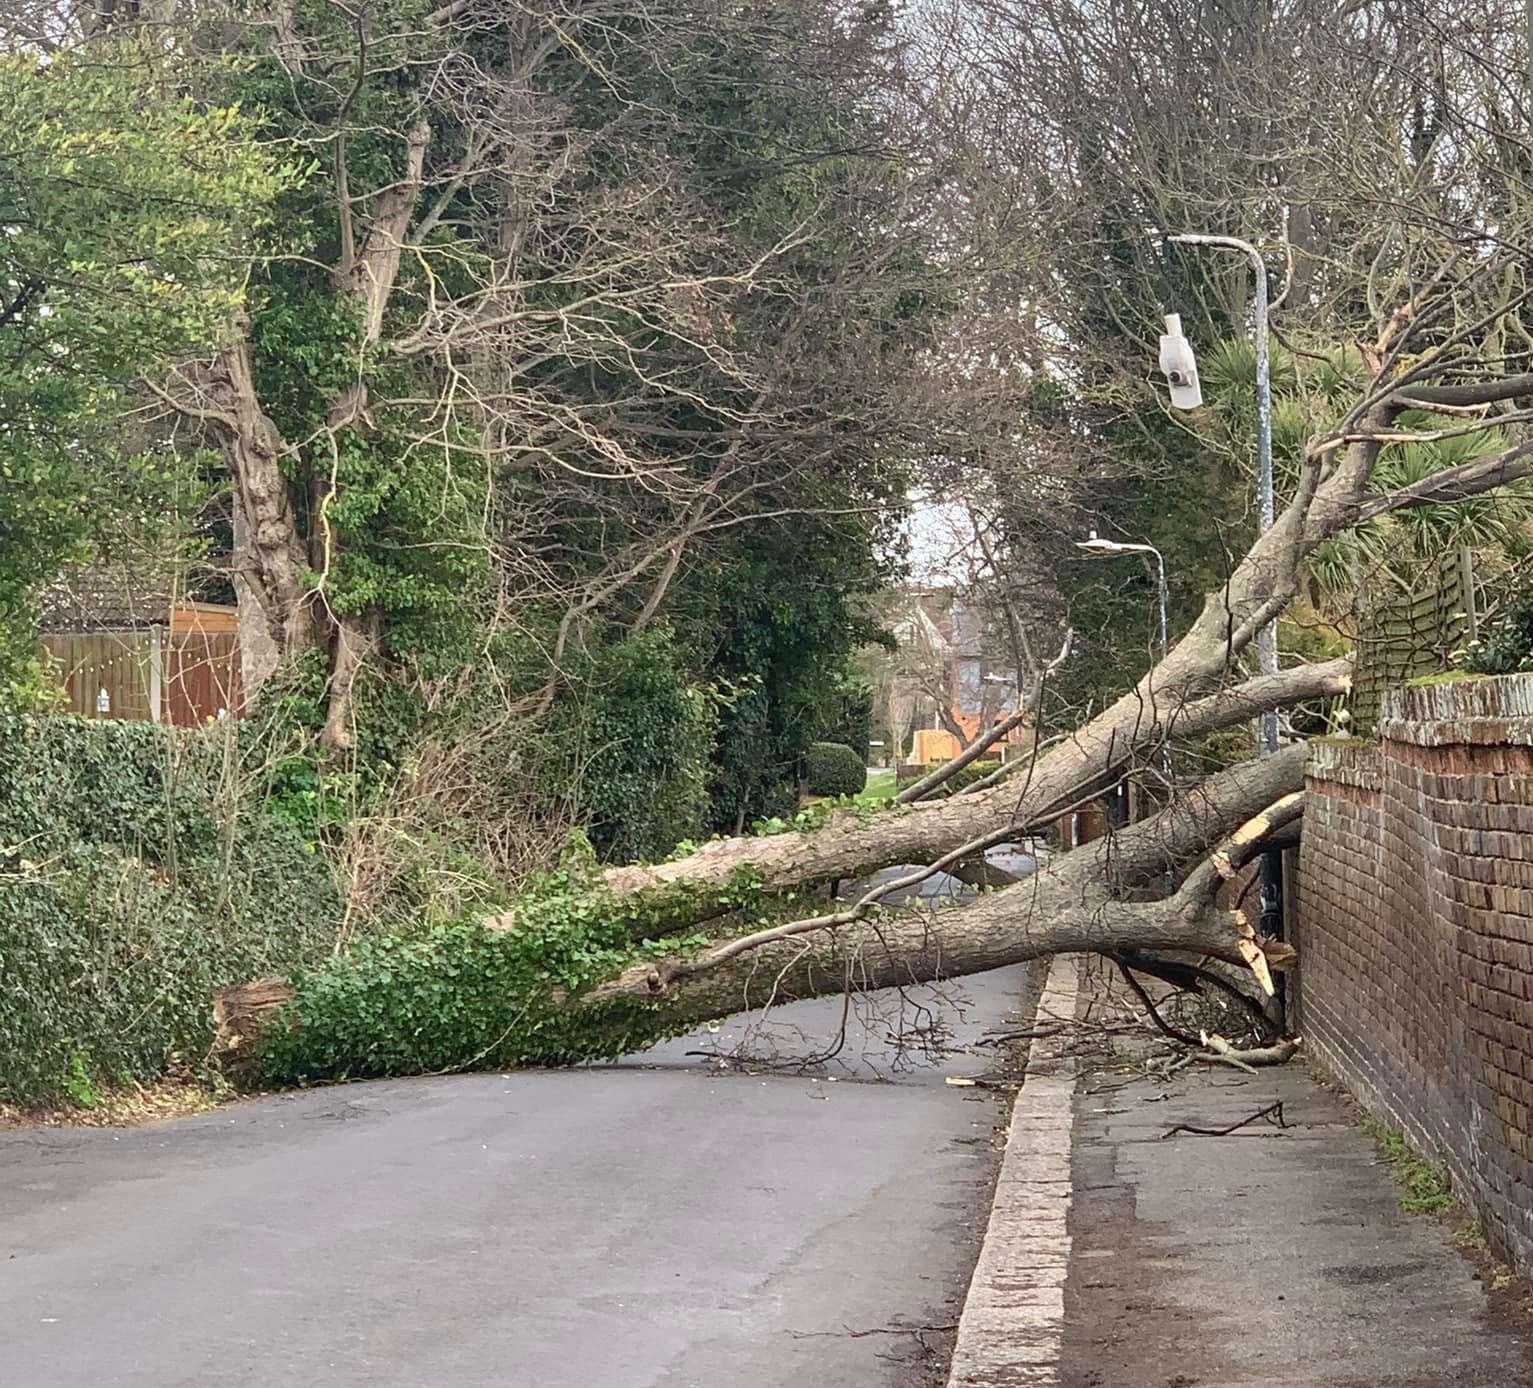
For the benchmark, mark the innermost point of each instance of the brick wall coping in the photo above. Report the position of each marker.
(1486, 711)
(1350, 763)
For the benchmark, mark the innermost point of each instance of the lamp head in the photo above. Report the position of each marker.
(1179, 365)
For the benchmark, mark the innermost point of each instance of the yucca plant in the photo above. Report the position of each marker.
(1308, 395)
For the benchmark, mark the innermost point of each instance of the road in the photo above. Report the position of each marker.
(654, 1224)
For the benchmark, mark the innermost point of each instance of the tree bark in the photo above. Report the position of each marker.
(849, 845)
(271, 559)
(1076, 903)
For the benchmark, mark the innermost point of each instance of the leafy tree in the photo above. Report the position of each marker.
(126, 208)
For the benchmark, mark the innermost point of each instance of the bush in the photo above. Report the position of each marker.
(832, 768)
(1506, 645)
(630, 745)
(134, 882)
(974, 771)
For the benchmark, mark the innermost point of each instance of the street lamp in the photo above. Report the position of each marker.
(1096, 545)
(1266, 638)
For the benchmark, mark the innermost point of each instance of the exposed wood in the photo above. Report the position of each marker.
(240, 1015)
(1070, 904)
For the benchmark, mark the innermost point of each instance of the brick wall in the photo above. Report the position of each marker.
(1415, 933)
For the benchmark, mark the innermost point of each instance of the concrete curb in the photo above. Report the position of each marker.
(1013, 1318)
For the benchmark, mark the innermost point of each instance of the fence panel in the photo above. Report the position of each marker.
(1407, 635)
(103, 674)
(202, 678)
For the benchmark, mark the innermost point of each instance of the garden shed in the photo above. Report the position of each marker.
(124, 647)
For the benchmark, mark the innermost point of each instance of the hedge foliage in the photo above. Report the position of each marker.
(629, 744)
(1505, 646)
(134, 881)
(967, 776)
(846, 714)
(832, 768)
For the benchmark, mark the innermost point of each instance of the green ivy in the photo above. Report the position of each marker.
(134, 882)
(466, 994)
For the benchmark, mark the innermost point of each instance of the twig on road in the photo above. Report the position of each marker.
(847, 1332)
(1027, 1034)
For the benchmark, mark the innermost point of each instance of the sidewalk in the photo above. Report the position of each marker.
(1277, 1257)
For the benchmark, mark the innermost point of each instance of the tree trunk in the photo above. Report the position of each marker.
(1076, 903)
(851, 844)
(269, 557)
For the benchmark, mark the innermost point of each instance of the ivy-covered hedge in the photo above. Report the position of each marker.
(135, 879)
(465, 995)
(832, 768)
(628, 747)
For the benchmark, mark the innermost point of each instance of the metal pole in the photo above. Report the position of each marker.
(1266, 638)
(1160, 573)
(1163, 594)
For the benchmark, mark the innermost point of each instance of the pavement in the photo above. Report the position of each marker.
(1273, 1255)
(663, 1223)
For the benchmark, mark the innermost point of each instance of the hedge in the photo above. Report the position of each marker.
(974, 771)
(831, 768)
(134, 881)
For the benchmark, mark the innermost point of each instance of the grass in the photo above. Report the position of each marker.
(880, 786)
(1425, 1187)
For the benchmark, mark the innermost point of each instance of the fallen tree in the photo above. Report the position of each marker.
(605, 965)
(607, 962)
(562, 981)
(706, 883)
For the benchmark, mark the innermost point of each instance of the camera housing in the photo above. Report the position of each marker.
(1179, 365)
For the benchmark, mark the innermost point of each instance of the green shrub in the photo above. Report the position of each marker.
(1505, 646)
(832, 768)
(629, 746)
(974, 771)
(134, 882)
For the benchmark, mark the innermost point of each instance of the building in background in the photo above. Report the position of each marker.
(126, 646)
(948, 680)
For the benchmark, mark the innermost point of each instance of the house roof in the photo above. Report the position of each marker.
(112, 596)
(949, 623)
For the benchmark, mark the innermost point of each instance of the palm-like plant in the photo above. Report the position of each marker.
(1308, 394)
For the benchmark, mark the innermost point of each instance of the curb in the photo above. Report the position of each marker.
(1013, 1317)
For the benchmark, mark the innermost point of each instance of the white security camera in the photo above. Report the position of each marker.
(1179, 365)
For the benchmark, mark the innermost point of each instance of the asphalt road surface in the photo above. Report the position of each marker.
(659, 1224)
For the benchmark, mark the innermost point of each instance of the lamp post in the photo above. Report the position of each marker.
(1096, 545)
(1266, 638)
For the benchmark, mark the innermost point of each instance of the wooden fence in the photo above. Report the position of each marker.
(183, 678)
(1405, 635)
